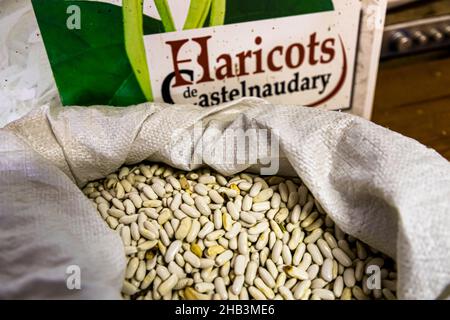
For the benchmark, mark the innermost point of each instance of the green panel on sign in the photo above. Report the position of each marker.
(90, 65)
(242, 11)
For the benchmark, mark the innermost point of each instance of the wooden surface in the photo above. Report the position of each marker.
(413, 98)
(419, 9)
(413, 93)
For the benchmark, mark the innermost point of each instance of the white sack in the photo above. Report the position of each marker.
(26, 79)
(386, 189)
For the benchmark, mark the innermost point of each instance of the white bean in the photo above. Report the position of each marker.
(250, 272)
(202, 206)
(286, 293)
(264, 195)
(224, 257)
(219, 284)
(132, 266)
(158, 188)
(324, 248)
(234, 231)
(327, 270)
(190, 211)
(203, 287)
(296, 273)
(286, 255)
(266, 277)
(298, 255)
(172, 251)
(216, 197)
(349, 277)
(247, 217)
(207, 179)
(187, 199)
(275, 201)
(313, 271)
(242, 243)
(261, 206)
(192, 259)
(193, 232)
(129, 289)
(301, 288)
(126, 235)
(315, 253)
(199, 235)
(247, 203)
(263, 239)
(259, 228)
(284, 192)
(207, 228)
(256, 294)
(341, 257)
(237, 284)
(176, 202)
(232, 210)
(168, 285)
(323, 294)
(276, 251)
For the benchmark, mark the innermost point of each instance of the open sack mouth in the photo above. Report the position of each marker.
(149, 110)
(199, 236)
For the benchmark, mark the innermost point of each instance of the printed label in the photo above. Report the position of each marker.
(304, 60)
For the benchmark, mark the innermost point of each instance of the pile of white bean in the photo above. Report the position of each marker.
(199, 235)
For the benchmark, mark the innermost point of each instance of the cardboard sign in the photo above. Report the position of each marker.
(208, 52)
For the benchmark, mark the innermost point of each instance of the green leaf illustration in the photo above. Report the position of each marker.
(198, 11)
(217, 15)
(166, 17)
(134, 43)
(90, 65)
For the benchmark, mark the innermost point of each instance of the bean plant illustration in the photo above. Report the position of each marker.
(199, 10)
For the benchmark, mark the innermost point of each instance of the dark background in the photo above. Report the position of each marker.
(413, 93)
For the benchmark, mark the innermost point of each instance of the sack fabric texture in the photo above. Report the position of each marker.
(383, 188)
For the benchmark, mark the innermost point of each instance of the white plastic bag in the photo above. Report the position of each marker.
(383, 188)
